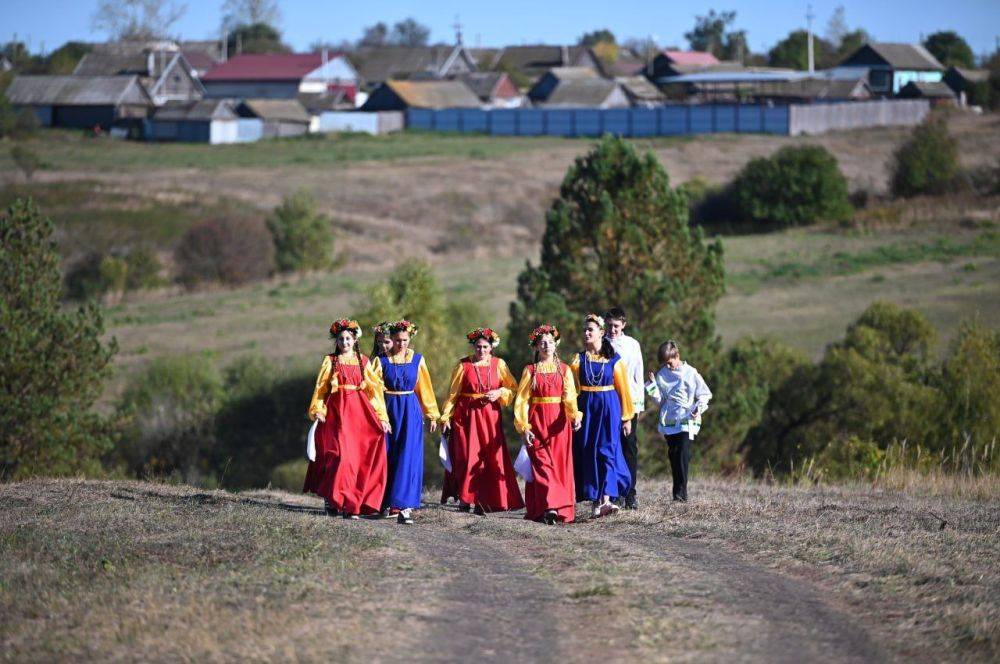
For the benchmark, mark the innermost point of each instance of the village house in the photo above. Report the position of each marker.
(937, 92)
(82, 102)
(529, 63)
(577, 87)
(434, 94)
(890, 67)
(640, 92)
(494, 89)
(162, 69)
(279, 117)
(282, 76)
(810, 90)
(212, 121)
(960, 80)
(670, 63)
(377, 64)
(201, 56)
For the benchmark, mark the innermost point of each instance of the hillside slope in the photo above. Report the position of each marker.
(135, 571)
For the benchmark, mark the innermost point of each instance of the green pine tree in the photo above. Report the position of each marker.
(618, 235)
(52, 361)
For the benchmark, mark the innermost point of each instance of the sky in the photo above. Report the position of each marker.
(45, 24)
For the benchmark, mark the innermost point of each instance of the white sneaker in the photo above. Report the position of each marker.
(608, 507)
(596, 512)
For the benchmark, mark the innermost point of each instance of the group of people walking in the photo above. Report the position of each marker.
(578, 421)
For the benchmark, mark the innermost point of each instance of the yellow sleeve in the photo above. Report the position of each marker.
(507, 383)
(522, 402)
(569, 396)
(375, 389)
(621, 386)
(317, 405)
(425, 391)
(453, 390)
(574, 367)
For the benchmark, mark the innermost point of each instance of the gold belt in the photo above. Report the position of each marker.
(399, 392)
(596, 388)
(472, 395)
(535, 400)
(348, 387)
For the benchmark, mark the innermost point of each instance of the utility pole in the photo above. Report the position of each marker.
(458, 30)
(809, 30)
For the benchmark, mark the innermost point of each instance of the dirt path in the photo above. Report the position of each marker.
(493, 604)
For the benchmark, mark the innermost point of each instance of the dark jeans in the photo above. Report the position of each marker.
(630, 450)
(679, 451)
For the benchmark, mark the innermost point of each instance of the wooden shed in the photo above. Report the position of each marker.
(82, 102)
(280, 117)
(401, 95)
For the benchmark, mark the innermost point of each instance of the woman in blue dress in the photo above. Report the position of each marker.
(409, 397)
(604, 399)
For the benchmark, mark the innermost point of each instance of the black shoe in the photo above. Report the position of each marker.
(550, 518)
(464, 507)
(330, 510)
(631, 504)
(479, 511)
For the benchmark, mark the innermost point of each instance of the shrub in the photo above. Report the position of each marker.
(53, 361)
(144, 268)
(25, 123)
(227, 250)
(798, 185)
(26, 160)
(171, 408)
(97, 274)
(927, 163)
(303, 238)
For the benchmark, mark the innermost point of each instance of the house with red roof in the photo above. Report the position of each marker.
(282, 76)
(677, 63)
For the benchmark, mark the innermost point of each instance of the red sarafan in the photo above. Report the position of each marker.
(350, 467)
(546, 402)
(482, 474)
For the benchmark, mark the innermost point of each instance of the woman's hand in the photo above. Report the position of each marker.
(493, 395)
(321, 418)
(434, 426)
(577, 425)
(446, 427)
(627, 427)
(386, 427)
(529, 438)
(652, 377)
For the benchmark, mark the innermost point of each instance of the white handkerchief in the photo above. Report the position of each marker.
(522, 464)
(311, 442)
(443, 453)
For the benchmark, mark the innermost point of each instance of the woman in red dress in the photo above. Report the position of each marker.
(481, 471)
(349, 470)
(545, 413)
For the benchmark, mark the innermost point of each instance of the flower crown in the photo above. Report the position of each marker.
(403, 326)
(382, 329)
(345, 324)
(484, 333)
(537, 333)
(595, 318)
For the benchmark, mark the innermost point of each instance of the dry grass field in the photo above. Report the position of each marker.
(474, 207)
(905, 570)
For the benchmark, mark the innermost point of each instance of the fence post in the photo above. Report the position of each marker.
(489, 122)
(687, 119)
(713, 123)
(545, 122)
(517, 122)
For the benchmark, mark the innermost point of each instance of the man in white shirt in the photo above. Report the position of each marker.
(628, 348)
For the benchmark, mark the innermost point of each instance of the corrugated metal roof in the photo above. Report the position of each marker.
(435, 94)
(286, 110)
(906, 56)
(268, 67)
(77, 91)
(580, 93)
(746, 75)
(972, 75)
(204, 109)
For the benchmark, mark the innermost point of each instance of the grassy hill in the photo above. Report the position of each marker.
(133, 571)
(474, 207)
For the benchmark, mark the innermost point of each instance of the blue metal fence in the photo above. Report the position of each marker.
(661, 121)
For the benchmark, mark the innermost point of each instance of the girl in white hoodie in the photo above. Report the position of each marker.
(683, 398)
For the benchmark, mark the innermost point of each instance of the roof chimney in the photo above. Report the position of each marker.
(564, 55)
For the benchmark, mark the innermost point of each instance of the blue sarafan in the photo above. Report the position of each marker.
(598, 464)
(408, 396)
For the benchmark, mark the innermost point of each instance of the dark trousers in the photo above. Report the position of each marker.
(679, 451)
(630, 450)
